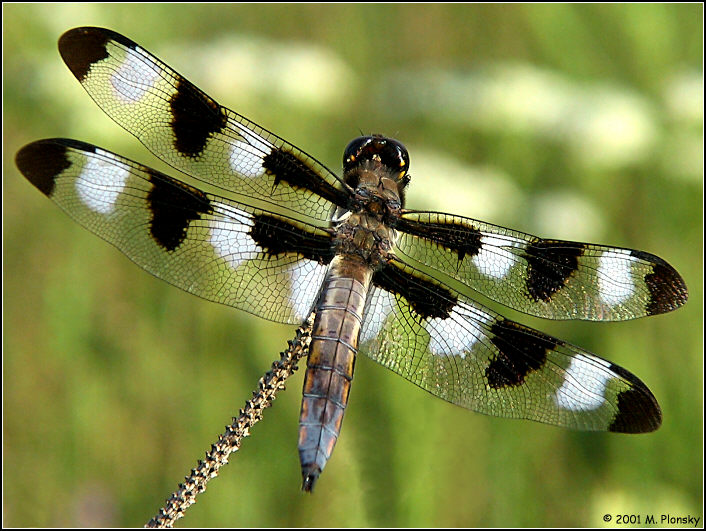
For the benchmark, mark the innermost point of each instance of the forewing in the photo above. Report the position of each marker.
(193, 133)
(554, 279)
(468, 355)
(213, 247)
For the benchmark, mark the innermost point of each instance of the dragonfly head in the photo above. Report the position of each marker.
(387, 152)
(372, 156)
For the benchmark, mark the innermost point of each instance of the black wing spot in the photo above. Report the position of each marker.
(638, 410)
(462, 239)
(521, 351)
(81, 48)
(174, 205)
(667, 289)
(294, 170)
(428, 299)
(278, 236)
(42, 162)
(550, 264)
(195, 117)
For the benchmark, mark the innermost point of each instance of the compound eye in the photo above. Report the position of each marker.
(354, 150)
(399, 158)
(386, 151)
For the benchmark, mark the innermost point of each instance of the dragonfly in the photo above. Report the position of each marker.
(284, 236)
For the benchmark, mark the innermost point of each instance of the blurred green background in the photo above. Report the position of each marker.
(569, 121)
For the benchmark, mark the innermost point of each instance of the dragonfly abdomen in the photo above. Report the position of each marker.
(330, 364)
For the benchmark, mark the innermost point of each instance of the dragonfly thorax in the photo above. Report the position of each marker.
(364, 236)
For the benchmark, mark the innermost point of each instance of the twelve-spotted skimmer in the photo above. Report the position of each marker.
(292, 237)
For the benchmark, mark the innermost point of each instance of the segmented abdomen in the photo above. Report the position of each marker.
(334, 344)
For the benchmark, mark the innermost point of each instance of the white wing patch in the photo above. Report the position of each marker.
(246, 160)
(381, 305)
(615, 282)
(585, 384)
(136, 76)
(456, 335)
(246, 157)
(230, 235)
(101, 182)
(305, 280)
(492, 260)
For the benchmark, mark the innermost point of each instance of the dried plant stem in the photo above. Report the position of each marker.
(229, 441)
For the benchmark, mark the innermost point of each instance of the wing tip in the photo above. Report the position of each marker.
(666, 286)
(637, 408)
(81, 47)
(667, 289)
(41, 162)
